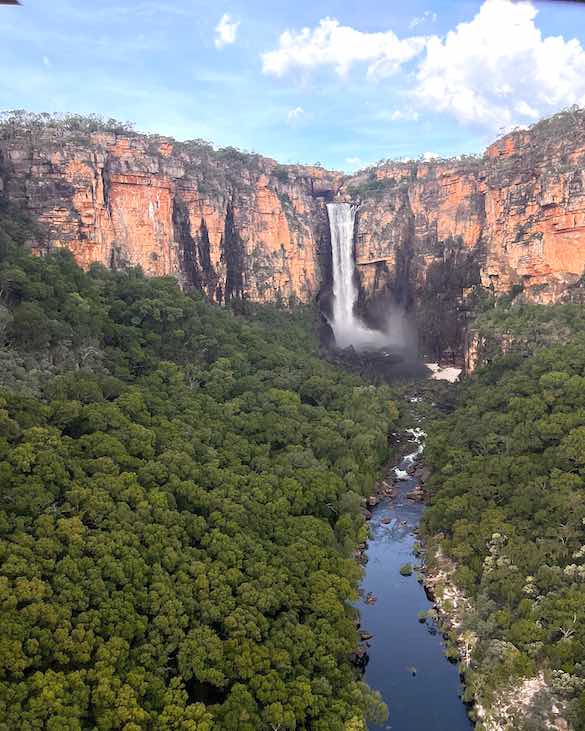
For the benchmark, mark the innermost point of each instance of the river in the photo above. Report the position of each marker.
(407, 664)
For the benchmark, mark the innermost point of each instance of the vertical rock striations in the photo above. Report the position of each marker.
(232, 224)
(518, 212)
(240, 225)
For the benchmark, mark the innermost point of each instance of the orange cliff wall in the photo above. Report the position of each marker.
(164, 205)
(519, 211)
(235, 224)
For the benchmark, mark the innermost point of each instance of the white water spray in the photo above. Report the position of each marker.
(347, 328)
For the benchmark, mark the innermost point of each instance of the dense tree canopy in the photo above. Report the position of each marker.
(509, 506)
(523, 328)
(181, 495)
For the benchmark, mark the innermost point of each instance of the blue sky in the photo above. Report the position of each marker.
(342, 83)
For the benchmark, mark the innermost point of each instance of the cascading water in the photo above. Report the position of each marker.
(347, 328)
(341, 223)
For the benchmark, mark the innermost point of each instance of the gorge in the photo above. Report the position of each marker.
(187, 486)
(406, 658)
(290, 445)
(238, 225)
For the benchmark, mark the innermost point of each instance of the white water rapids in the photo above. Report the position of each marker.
(347, 327)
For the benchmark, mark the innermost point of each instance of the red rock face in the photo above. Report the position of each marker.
(161, 205)
(520, 209)
(226, 221)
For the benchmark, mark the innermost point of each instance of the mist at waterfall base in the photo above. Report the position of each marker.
(398, 335)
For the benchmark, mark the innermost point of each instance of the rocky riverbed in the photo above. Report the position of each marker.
(402, 651)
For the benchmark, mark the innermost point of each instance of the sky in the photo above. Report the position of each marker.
(344, 84)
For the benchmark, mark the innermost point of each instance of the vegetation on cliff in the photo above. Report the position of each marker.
(523, 328)
(508, 505)
(225, 169)
(19, 121)
(450, 295)
(182, 492)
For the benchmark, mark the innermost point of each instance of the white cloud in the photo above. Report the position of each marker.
(297, 116)
(526, 110)
(427, 17)
(226, 31)
(428, 156)
(339, 46)
(498, 70)
(354, 163)
(46, 61)
(402, 115)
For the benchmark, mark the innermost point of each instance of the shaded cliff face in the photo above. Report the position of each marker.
(520, 209)
(511, 220)
(232, 224)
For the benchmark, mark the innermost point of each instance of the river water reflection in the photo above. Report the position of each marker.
(407, 665)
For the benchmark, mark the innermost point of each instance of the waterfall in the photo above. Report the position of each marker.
(347, 328)
(341, 223)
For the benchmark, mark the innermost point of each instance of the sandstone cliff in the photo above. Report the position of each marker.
(240, 225)
(520, 209)
(232, 224)
(511, 220)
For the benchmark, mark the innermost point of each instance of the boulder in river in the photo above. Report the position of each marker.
(417, 494)
(360, 657)
(386, 488)
(422, 473)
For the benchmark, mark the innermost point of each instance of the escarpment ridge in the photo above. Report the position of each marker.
(239, 225)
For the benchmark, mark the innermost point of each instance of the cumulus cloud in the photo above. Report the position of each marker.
(499, 70)
(226, 31)
(496, 70)
(427, 17)
(339, 46)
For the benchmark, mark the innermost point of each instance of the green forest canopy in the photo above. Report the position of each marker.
(181, 496)
(508, 504)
